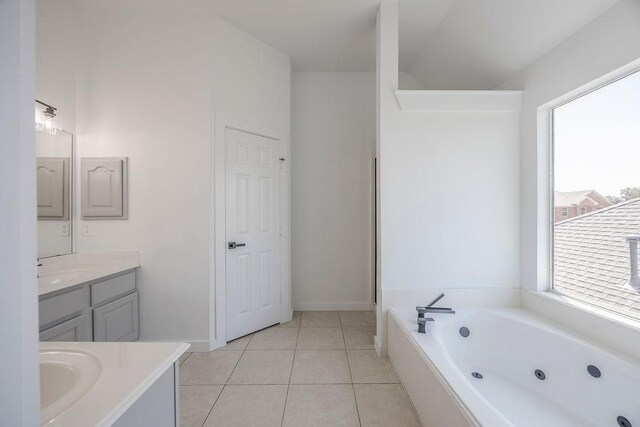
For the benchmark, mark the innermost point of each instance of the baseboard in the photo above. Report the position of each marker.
(202, 346)
(332, 306)
(377, 345)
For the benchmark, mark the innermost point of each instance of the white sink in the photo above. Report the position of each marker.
(61, 276)
(65, 376)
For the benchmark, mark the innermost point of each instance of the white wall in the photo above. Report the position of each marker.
(333, 135)
(604, 45)
(56, 58)
(19, 395)
(450, 205)
(449, 183)
(148, 84)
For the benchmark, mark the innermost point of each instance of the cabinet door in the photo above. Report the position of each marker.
(50, 177)
(76, 329)
(104, 188)
(117, 321)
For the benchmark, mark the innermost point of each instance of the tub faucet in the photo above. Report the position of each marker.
(422, 321)
(429, 308)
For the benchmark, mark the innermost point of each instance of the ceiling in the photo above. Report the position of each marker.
(454, 39)
(481, 43)
(444, 44)
(331, 35)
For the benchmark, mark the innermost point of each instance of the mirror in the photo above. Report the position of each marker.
(54, 166)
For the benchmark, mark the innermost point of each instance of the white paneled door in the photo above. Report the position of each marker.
(253, 288)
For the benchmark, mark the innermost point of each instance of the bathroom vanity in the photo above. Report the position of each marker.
(89, 297)
(104, 384)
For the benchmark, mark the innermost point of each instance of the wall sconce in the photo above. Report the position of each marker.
(46, 121)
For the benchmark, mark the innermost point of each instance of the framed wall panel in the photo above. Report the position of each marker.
(104, 188)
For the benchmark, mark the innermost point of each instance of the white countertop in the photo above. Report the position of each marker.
(79, 268)
(127, 371)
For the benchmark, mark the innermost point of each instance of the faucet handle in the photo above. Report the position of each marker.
(422, 323)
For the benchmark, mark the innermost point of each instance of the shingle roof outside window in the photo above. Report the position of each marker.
(591, 257)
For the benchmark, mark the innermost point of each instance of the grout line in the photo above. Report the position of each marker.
(353, 389)
(225, 384)
(286, 397)
(185, 359)
(214, 404)
(234, 368)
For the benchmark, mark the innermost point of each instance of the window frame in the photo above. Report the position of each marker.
(550, 108)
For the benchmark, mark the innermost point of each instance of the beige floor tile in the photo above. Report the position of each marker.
(263, 367)
(315, 338)
(295, 322)
(320, 318)
(274, 338)
(320, 367)
(385, 405)
(249, 405)
(358, 318)
(238, 344)
(367, 367)
(321, 405)
(196, 402)
(211, 368)
(359, 337)
(184, 357)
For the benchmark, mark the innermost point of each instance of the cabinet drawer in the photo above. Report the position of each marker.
(74, 330)
(113, 288)
(117, 320)
(62, 307)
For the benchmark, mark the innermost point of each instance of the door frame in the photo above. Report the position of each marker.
(217, 224)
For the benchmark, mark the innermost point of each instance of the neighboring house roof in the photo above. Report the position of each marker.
(591, 257)
(571, 198)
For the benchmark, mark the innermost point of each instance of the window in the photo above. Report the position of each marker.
(596, 154)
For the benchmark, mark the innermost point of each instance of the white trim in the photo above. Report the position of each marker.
(217, 227)
(460, 101)
(203, 346)
(377, 345)
(545, 191)
(615, 331)
(333, 306)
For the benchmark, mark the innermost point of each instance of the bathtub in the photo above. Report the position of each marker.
(513, 369)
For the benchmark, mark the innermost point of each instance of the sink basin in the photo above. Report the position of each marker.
(61, 276)
(65, 376)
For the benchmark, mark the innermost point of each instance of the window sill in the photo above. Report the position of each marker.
(614, 330)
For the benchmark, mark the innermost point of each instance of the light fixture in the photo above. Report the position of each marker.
(46, 121)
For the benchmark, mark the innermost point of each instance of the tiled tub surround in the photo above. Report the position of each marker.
(532, 372)
(320, 369)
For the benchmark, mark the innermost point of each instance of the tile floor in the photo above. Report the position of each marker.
(320, 369)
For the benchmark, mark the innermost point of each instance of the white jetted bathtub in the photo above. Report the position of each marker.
(513, 369)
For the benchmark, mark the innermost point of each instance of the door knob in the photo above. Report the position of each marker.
(233, 245)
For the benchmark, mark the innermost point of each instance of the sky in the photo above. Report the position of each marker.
(597, 139)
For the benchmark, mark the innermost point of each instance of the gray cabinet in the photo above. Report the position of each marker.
(61, 307)
(52, 177)
(101, 310)
(158, 406)
(117, 320)
(76, 329)
(103, 183)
